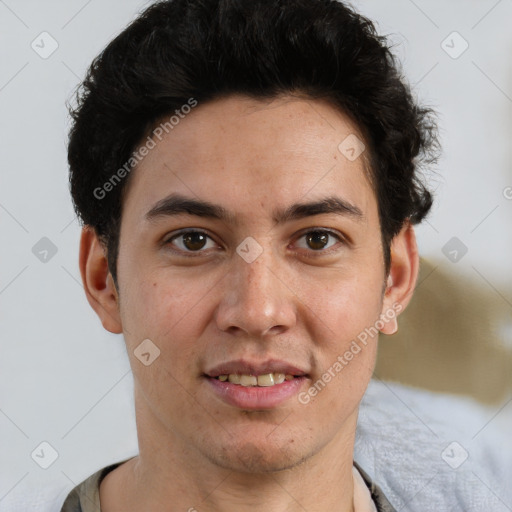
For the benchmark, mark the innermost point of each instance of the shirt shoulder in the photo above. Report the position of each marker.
(382, 504)
(85, 497)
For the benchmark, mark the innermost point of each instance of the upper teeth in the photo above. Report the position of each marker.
(268, 379)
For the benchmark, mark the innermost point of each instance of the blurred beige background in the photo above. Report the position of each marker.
(452, 337)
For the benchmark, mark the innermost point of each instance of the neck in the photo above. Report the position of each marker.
(170, 474)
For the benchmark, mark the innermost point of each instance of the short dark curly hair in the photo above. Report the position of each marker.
(205, 49)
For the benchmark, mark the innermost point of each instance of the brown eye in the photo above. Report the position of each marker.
(317, 240)
(192, 241)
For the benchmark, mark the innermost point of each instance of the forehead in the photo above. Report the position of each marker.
(246, 153)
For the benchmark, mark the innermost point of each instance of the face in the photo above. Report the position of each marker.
(250, 244)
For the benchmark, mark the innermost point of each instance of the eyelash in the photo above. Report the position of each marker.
(312, 252)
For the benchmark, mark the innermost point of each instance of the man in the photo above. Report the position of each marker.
(246, 173)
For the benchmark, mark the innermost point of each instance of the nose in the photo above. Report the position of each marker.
(256, 299)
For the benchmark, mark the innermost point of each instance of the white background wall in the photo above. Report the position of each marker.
(63, 379)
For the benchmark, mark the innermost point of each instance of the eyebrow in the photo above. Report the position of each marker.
(177, 204)
(324, 206)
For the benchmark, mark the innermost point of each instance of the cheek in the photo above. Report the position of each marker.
(344, 312)
(345, 304)
(152, 308)
(173, 311)
(169, 317)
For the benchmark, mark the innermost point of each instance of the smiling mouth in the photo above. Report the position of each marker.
(264, 380)
(245, 387)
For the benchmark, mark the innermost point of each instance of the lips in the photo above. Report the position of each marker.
(243, 367)
(256, 386)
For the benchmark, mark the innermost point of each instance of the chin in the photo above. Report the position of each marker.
(249, 457)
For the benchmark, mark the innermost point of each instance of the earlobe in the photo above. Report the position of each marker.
(98, 284)
(402, 277)
(390, 325)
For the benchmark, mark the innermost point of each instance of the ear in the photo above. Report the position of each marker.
(98, 283)
(402, 277)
